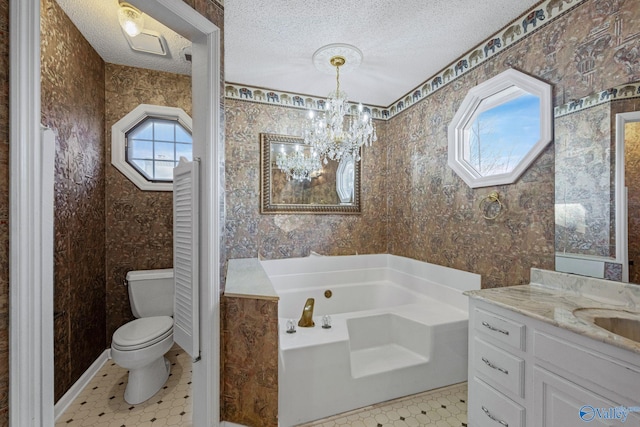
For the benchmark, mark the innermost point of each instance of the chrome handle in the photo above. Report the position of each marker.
(491, 365)
(493, 328)
(494, 418)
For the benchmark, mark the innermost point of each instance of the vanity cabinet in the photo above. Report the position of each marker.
(525, 372)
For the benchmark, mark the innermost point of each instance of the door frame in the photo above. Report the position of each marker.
(621, 204)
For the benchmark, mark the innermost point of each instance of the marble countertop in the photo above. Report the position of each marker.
(247, 279)
(552, 298)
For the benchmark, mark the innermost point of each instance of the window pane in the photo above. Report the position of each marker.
(145, 167)
(155, 145)
(501, 136)
(144, 130)
(184, 150)
(164, 171)
(140, 149)
(182, 135)
(164, 151)
(164, 130)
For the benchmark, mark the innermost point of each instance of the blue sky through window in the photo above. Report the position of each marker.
(501, 136)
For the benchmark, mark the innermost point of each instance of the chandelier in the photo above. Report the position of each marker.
(297, 166)
(332, 134)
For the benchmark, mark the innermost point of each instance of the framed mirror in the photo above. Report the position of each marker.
(500, 128)
(597, 184)
(293, 180)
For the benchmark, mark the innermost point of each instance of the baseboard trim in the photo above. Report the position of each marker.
(75, 390)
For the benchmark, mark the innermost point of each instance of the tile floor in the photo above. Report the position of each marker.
(444, 407)
(101, 403)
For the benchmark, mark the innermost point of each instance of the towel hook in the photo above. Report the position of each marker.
(487, 201)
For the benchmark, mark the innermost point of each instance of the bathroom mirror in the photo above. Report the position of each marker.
(292, 181)
(501, 126)
(597, 155)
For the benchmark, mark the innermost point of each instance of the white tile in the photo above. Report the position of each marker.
(421, 410)
(101, 403)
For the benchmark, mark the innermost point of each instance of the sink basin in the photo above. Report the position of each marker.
(619, 322)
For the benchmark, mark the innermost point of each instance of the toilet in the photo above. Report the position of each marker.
(140, 345)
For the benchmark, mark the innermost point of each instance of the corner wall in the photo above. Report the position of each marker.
(139, 223)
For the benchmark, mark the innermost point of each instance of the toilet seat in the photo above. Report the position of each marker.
(141, 333)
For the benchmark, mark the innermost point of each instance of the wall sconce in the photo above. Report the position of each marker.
(130, 19)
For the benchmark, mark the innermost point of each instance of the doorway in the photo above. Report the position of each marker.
(31, 228)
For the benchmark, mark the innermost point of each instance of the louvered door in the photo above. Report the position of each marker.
(186, 332)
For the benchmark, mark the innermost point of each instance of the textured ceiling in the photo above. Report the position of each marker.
(97, 20)
(270, 43)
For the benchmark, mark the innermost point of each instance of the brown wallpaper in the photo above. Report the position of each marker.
(282, 236)
(4, 213)
(139, 223)
(250, 370)
(73, 106)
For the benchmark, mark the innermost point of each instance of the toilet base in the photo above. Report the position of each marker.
(146, 381)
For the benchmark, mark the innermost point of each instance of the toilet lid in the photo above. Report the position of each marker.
(142, 332)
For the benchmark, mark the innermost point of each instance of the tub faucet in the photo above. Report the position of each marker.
(306, 321)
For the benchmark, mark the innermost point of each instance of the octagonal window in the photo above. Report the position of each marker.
(501, 127)
(148, 143)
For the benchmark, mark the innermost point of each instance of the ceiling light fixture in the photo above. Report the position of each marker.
(130, 19)
(331, 135)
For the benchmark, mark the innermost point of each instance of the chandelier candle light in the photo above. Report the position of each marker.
(332, 135)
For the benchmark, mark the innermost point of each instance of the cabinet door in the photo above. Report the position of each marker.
(559, 402)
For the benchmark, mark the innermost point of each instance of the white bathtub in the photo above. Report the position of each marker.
(399, 327)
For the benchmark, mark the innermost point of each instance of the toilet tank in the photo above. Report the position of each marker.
(151, 292)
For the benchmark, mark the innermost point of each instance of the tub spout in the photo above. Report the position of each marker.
(306, 321)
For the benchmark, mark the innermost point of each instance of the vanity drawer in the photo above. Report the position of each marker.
(489, 408)
(499, 328)
(500, 369)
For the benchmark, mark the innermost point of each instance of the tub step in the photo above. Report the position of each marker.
(384, 358)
